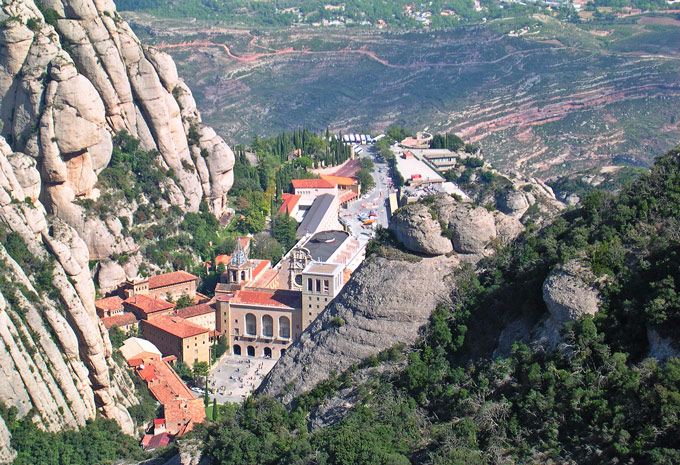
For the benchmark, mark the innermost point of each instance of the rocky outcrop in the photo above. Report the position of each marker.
(414, 227)
(385, 303)
(56, 355)
(569, 292)
(67, 87)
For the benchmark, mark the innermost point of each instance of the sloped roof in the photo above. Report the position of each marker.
(134, 347)
(122, 319)
(195, 310)
(170, 279)
(339, 180)
(289, 203)
(278, 298)
(148, 304)
(316, 214)
(177, 326)
(109, 303)
(312, 184)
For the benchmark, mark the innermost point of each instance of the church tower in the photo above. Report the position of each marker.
(239, 268)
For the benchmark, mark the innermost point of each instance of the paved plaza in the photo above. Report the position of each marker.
(235, 377)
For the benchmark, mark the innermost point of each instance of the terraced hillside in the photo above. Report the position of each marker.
(539, 95)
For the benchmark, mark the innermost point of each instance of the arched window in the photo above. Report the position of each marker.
(283, 352)
(284, 327)
(237, 349)
(251, 351)
(251, 325)
(243, 275)
(267, 326)
(267, 352)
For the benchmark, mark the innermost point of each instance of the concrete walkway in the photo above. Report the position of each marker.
(234, 377)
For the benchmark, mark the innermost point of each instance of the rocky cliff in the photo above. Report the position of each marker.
(72, 76)
(390, 298)
(385, 303)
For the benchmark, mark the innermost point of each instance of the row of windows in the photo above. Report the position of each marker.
(267, 326)
(310, 285)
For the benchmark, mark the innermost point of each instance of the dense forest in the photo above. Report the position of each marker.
(595, 399)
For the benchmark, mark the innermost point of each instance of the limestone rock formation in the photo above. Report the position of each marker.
(55, 355)
(414, 227)
(67, 87)
(386, 302)
(569, 294)
(472, 228)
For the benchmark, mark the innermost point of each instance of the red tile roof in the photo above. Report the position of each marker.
(148, 373)
(195, 310)
(244, 240)
(176, 326)
(122, 319)
(154, 442)
(312, 184)
(135, 362)
(347, 196)
(260, 267)
(339, 180)
(109, 303)
(289, 203)
(170, 279)
(222, 260)
(268, 298)
(147, 304)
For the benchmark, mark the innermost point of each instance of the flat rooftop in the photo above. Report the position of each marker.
(411, 166)
(323, 268)
(323, 245)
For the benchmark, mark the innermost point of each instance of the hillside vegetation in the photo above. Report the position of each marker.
(596, 398)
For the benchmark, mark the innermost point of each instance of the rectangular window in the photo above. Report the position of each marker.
(325, 285)
(236, 331)
(318, 285)
(310, 287)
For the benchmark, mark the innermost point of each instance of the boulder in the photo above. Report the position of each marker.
(472, 228)
(514, 203)
(414, 227)
(569, 292)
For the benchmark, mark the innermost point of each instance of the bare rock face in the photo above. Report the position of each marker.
(414, 227)
(569, 294)
(515, 203)
(56, 356)
(386, 302)
(473, 228)
(62, 106)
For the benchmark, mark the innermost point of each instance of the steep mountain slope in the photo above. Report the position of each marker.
(561, 347)
(72, 77)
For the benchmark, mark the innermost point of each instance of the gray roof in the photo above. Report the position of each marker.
(324, 244)
(316, 214)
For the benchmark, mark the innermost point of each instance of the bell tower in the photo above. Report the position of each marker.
(239, 269)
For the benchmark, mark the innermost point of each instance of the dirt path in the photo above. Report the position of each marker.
(371, 55)
(256, 56)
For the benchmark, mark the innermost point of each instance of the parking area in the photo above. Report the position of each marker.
(235, 377)
(372, 202)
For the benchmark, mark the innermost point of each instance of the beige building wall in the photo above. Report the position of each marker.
(189, 350)
(207, 320)
(258, 331)
(175, 291)
(320, 284)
